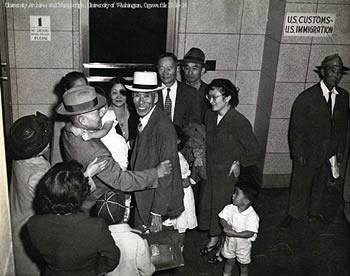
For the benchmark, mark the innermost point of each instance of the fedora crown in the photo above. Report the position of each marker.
(194, 55)
(79, 100)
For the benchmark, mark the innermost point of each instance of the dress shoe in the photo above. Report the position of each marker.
(215, 260)
(206, 250)
(285, 224)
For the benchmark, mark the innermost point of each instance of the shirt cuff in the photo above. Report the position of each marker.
(154, 214)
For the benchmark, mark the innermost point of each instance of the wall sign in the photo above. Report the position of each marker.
(309, 24)
(40, 28)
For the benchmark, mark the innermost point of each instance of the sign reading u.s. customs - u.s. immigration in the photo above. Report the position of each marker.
(40, 28)
(309, 24)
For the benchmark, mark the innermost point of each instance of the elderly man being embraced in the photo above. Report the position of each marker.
(83, 105)
(155, 141)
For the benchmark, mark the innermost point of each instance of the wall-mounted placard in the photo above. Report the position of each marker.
(309, 24)
(40, 28)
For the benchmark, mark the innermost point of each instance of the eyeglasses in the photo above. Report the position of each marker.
(209, 97)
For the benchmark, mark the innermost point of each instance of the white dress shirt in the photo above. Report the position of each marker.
(172, 95)
(325, 92)
(144, 120)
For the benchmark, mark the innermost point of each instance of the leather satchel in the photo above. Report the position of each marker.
(165, 249)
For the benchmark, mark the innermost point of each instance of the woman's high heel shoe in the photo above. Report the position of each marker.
(206, 250)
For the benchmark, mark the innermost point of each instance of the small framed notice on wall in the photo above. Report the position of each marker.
(40, 28)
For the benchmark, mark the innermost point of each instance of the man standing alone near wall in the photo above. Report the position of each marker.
(318, 128)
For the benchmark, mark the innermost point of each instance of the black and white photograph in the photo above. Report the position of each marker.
(175, 137)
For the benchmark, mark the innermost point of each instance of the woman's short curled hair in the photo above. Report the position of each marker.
(227, 88)
(62, 189)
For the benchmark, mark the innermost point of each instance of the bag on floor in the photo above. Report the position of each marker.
(165, 249)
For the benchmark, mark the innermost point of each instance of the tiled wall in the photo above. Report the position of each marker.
(297, 59)
(243, 36)
(36, 66)
(233, 34)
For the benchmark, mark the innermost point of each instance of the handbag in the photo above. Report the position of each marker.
(165, 249)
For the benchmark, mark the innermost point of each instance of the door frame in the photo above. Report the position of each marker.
(5, 71)
(171, 40)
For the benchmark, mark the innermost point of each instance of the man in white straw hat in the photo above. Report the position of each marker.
(156, 140)
(82, 105)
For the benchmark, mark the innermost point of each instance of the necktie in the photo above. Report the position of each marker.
(167, 106)
(330, 102)
(140, 127)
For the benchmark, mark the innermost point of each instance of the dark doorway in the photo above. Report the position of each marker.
(125, 37)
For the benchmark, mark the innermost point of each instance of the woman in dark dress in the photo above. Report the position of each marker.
(71, 242)
(230, 145)
(121, 104)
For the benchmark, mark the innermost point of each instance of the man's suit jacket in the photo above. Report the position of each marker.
(156, 143)
(313, 134)
(204, 103)
(75, 148)
(187, 105)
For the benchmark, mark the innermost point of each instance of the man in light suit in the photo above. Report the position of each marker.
(82, 105)
(179, 101)
(155, 141)
(318, 129)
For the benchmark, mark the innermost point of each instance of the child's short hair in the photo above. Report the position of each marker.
(111, 206)
(249, 189)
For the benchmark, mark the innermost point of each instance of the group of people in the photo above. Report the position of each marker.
(146, 144)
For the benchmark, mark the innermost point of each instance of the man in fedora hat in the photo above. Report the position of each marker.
(193, 67)
(155, 141)
(179, 101)
(82, 105)
(318, 129)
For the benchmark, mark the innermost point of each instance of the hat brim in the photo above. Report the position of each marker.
(192, 60)
(19, 153)
(129, 87)
(101, 101)
(343, 67)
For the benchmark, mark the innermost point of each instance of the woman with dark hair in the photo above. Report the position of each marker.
(120, 103)
(70, 80)
(28, 141)
(230, 145)
(70, 241)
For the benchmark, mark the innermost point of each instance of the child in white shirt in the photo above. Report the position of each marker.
(135, 257)
(241, 224)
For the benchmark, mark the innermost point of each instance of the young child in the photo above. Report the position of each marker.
(241, 224)
(135, 256)
(115, 143)
(188, 218)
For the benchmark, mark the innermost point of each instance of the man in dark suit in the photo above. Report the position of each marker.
(318, 129)
(179, 101)
(193, 67)
(156, 141)
(82, 105)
